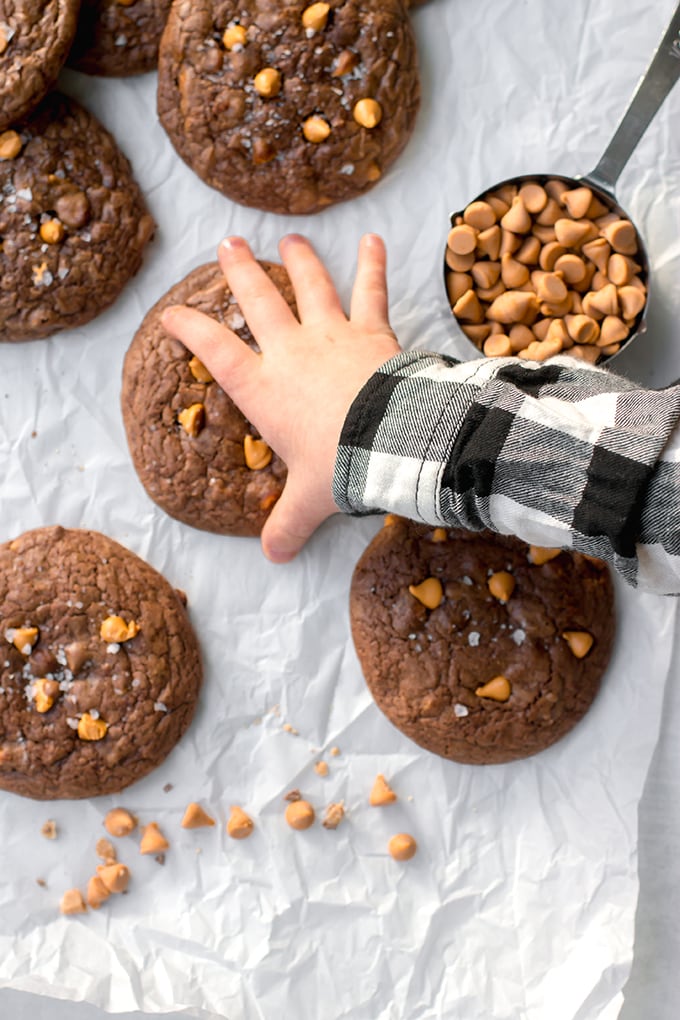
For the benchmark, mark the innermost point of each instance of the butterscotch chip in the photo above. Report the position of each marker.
(402, 847)
(479, 215)
(23, 638)
(199, 371)
(119, 822)
(538, 555)
(240, 825)
(498, 689)
(489, 242)
(114, 629)
(91, 727)
(267, 82)
(501, 585)
(517, 219)
(315, 17)
(52, 231)
(44, 693)
(429, 592)
(468, 309)
(321, 768)
(580, 642)
(334, 752)
(234, 37)
(72, 902)
(381, 792)
(153, 840)
(498, 346)
(4, 41)
(367, 112)
(196, 818)
(512, 306)
(582, 328)
(534, 197)
(10, 145)
(631, 300)
(49, 829)
(612, 330)
(439, 535)
(256, 453)
(577, 201)
(106, 851)
(316, 129)
(462, 239)
(115, 876)
(300, 814)
(192, 419)
(621, 236)
(335, 812)
(346, 61)
(97, 893)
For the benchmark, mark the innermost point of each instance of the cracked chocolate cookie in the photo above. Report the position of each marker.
(195, 454)
(288, 107)
(73, 223)
(99, 670)
(478, 647)
(118, 37)
(35, 38)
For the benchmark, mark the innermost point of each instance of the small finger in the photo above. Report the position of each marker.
(263, 307)
(315, 291)
(228, 359)
(294, 519)
(369, 309)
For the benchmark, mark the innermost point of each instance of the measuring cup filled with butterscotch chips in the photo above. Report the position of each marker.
(545, 264)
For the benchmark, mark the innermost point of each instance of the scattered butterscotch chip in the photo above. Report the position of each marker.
(153, 840)
(402, 847)
(497, 689)
(580, 642)
(114, 630)
(106, 851)
(256, 453)
(199, 371)
(97, 893)
(49, 829)
(72, 902)
(196, 818)
(239, 825)
(234, 37)
(538, 555)
(321, 768)
(52, 231)
(367, 113)
(290, 729)
(439, 535)
(501, 585)
(91, 728)
(300, 814)
(119, 822)
(44, 694)
(335, 812)
(10, 144)
(115, 876)
(334, 751)
(381, 792)
(316, 129)
(23, 638)
(192, 419)
(315, 17)
(389, 520)
(429, 592)
(267, 82)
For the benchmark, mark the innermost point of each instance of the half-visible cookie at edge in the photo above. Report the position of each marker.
(429, 654)
(100, 668)
(288, 107)
(73, 222)
(35, 38)
(116, 38)
(190, 444)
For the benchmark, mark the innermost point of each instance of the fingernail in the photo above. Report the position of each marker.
(292, 239)
(231, 243)
(168, 313)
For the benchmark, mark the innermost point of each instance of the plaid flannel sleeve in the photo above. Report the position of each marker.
(558, 453)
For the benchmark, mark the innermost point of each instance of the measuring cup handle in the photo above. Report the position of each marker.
(659, 79)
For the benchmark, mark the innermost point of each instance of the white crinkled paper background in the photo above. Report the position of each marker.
(521, 899)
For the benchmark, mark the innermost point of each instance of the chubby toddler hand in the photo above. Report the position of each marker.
(298, 389)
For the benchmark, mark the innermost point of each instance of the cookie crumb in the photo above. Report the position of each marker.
(335, 812)
(49, 829)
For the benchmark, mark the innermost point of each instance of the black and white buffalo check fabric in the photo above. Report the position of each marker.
(558, 453)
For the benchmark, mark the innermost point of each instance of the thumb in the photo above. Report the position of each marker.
(295, 517)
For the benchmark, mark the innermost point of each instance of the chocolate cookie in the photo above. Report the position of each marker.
(494, 657)
(35, 38)
(190, 444)
(118, 37)
(100, 668)
(73, 223)
(287, 106)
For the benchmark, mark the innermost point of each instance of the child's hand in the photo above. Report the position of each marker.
(298, 390)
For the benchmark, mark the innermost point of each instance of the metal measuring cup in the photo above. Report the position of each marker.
(653, 88)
